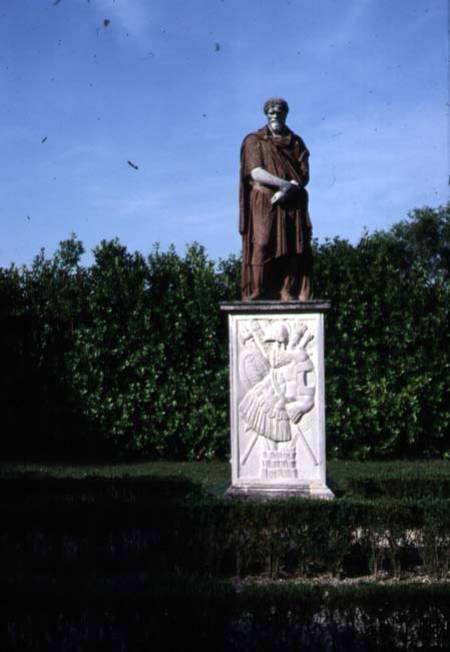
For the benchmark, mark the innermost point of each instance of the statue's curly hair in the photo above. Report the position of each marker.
(275, 100)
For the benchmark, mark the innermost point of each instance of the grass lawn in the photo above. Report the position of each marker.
(215, 476)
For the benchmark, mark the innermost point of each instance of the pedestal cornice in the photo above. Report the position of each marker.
(274, 307)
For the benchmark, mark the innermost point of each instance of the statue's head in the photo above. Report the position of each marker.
(276, 110)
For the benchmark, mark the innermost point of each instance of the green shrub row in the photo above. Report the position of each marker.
(288, 538)
(31, 486)
(34, 489)
(399, 487)
(129, 355)
(183, 613)
(391, 479)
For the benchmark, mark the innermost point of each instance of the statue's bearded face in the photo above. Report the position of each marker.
(276, 118)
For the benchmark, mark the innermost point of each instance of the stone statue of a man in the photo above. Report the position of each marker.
(274, 219)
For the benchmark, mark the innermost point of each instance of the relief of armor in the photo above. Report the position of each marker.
(278, 378)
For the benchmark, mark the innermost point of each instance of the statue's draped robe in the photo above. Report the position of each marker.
(272, 231)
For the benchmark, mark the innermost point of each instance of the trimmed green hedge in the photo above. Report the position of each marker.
(32, 488)
(369, 487)
(129, 356)
(182, 613)
(399, 479)
(134, 563)
(168, 525)
(390, 479)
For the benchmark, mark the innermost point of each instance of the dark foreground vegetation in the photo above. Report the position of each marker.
(129, 355)
(170, 524)
(197, 613)
(149, 558)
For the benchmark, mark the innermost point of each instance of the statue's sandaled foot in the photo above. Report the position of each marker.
(255, 295)
(287, 296)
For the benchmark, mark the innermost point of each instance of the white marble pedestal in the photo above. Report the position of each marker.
(277, 399)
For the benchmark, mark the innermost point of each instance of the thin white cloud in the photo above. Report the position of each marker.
(131, 15)
(13, 134)
(353, 16)
(376, 171)
(114, 204)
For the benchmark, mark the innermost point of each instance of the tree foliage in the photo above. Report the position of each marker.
(130, 355)
(388, 340)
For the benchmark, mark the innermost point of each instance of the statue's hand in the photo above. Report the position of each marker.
(281, 195)
(278, 197)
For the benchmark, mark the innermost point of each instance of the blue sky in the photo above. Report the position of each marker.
(173, 86)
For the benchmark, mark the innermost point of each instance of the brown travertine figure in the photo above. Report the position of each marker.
(274, 220)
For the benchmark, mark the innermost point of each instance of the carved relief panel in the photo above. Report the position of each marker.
(277, 398)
